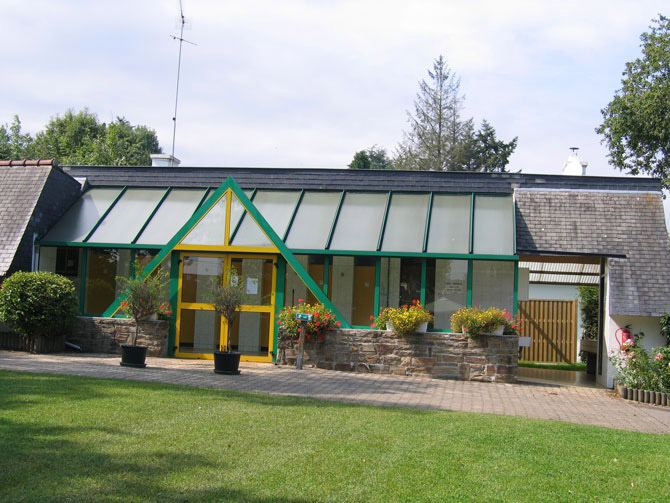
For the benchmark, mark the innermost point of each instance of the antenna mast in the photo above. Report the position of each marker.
(176, 97)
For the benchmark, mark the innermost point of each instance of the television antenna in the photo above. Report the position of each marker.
(181, 40)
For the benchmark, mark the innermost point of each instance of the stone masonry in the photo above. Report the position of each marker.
(105, 335)
(438, 355)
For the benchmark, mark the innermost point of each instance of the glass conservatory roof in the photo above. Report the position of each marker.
(309, 220)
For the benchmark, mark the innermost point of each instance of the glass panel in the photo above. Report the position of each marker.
(82, 216)
(63, 261)
(257, 273)
(277, 208)
(353, 288)
(446, 289)
(494, 225)
(211, 229)
(359, 222)
(250, 334)
(177, 208)
(197, 275)
(294, 288)
(313, 220)
(406, 223)
(102, 268)
(449, 224)
(493, 284)
(400, 282)
(128, 216)
(199, 331)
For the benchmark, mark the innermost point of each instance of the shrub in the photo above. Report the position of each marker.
(475, 321)
(38, 304)
(143, 296)
(637, 369)
(322, 321)
(405, 319)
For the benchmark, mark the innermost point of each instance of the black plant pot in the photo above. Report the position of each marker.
(133, 356)
(226, 363)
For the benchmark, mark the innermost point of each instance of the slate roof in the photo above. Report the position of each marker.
(347, 179)
(620, 218)
(629, 225)
(33, 196)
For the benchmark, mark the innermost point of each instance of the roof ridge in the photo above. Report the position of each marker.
(29, 162)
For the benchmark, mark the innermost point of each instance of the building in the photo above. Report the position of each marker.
(358, 241)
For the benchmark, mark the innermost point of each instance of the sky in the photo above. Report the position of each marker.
(308, 83)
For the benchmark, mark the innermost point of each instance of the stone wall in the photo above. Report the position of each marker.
(105, 335)
(438, 355)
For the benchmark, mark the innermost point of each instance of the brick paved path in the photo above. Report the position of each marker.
(562, 403)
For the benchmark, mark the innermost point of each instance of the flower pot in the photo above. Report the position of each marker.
(389, 326)
(496, 331)
(133, 356)
(423, 328)
(226, 363)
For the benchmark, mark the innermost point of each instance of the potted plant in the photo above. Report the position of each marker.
(406, 319)
(142, 302)
(322, 321)
(227, 295)
(475, 321)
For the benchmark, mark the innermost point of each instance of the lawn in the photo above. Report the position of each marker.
(579, 367)
(81, 439)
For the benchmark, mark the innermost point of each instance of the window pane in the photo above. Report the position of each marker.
(493, 284)
(102, 268)
(80, 219)
(199, 331)
(353, 288)
(399, 281)
(313, 220)
(449, 224)
(197, 276)
(446, 289)
(257, 273)
(294, 288)
(63, 261)
(128, 216)
(250, 334)
(494, 225)
(211, 229)
(177, 208)
(277, 208)
(406, 223)
(359, 222)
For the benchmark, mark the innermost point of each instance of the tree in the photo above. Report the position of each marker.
(636, 125)
(439, 140)
(79, 138)
(373, 158)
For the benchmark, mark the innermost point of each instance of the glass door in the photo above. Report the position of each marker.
(201, 331)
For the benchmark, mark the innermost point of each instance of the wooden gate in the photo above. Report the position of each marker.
(553, 326)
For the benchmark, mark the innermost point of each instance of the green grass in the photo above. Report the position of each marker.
(579, 367)
(79, 439)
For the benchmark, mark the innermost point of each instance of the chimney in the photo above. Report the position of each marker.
(573, 166)
(164, 161)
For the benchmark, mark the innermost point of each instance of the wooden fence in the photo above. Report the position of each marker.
(553, 326)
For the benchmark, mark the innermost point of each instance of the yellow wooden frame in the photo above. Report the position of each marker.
(228, 258)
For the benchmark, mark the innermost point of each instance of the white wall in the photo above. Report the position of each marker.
(553, 292)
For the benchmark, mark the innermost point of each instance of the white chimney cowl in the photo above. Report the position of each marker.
(573, 166)
(164, 161)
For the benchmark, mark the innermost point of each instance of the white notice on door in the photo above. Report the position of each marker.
(252, 286)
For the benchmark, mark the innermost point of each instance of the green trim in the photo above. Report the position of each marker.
(428, 217)
(337, 215)
(82, 281)
(174, 298)
(120, 246)
(472, 223)
(295, 211)
(404, 254)
(516, 288)
(132, 264)
(202, 199)
(279, 300)
(104, 215)
(378, 278)
(422, 297)
(468, 302)
(326, 273)
(383, 226)
(239, 222)
(151, 216)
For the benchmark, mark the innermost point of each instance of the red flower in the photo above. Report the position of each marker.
(372, 325)
(300, 300)
(405, 306)
(372, 317)
(338, 324)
